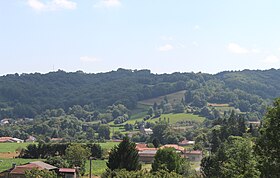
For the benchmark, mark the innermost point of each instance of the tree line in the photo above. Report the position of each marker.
(28, 95)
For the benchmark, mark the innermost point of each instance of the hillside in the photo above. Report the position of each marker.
(27, 95)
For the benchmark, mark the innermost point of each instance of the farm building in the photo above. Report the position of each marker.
(146, 131)
(10, 139)
(194, 155)
(186, 142)
(146, 155)
(67, 172)
(19, 171)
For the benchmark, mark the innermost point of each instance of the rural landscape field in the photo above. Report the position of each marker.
(139, 89)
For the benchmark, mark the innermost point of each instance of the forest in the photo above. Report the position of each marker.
(27, 95)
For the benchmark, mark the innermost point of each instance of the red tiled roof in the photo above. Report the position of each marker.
(194, 152)
(176, 147)
(69, 170)
(23, 168)
(141, 146)
(33, 165)
(4, 139)
(56, 139)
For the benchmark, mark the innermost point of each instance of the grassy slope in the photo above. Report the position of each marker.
(172, 98)
(7, 163)
(173, 118)
(11, 147)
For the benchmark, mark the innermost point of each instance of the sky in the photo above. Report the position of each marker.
(164, 36)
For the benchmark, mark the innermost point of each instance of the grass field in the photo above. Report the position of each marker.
(172, 98)
(7, 163)
(223, 107)
(108, 145)
(174, 118)
(98, 167)
(11, 147)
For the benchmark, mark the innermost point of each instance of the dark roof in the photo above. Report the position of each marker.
(44, 165)
(32, 165)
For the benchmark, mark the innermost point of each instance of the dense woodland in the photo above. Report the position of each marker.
(27, 95)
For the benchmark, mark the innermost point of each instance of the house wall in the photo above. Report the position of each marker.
(194, 157)
(16, 176)
(146, 159)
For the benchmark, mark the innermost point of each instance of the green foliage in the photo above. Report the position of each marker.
(35, 173)
(124, 156)
(159, 131)
(57, 161)
(95, 150)
(76, 155)
(268, 143)
(6, 163)
(167, 159)
(104, 131)
(233, 159)
(137, 174)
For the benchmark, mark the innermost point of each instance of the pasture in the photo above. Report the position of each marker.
(173, 118)
(11, 147)
(172, 98)
(223, 107)
(7, 163)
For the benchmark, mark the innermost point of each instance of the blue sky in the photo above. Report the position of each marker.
(162, 35)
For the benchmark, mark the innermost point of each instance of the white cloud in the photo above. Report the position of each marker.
(236, 48)
(52, 5)
(108, 3)
(271, 59)
(88, 59)
(36, 4)
(167, 47)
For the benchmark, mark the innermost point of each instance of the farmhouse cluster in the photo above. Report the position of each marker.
(146, 155)
(19, 171)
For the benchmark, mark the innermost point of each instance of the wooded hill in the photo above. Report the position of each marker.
(27, 95)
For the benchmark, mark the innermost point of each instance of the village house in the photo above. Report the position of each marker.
(186, 142)
(194, 155)
(4, 121)
(67, 172)
(10, 140)
(146, 155)
(146, 131)
(56, 139)
(19, 171)
(30, 139)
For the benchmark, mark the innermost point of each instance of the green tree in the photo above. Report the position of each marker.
(239, 159)
(90, 134)
(76, 155)
(150, 111)
(35, 173)
(159, 131)
(104, 131)
(57, 161)
(124, 156)
(179, 108)
(167, 159)
(156, 142)
(268, 143)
